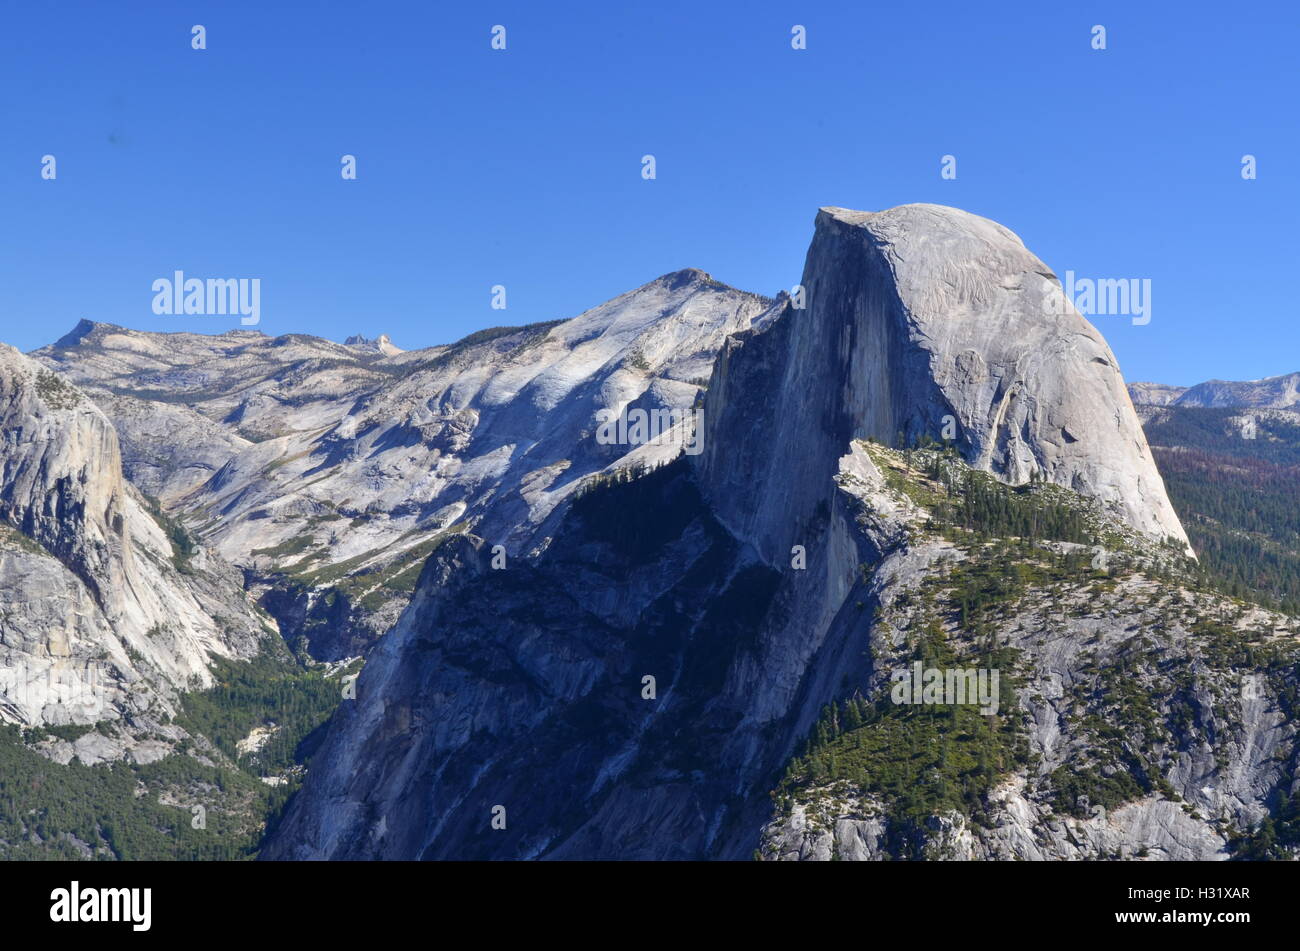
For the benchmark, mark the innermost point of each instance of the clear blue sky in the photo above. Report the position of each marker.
(478, 167)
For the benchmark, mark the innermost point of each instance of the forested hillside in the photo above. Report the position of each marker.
(1234, 478)
(249, 739)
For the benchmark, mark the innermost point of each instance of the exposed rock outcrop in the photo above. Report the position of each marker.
(381, 344)
(923, 321)
(105, 614)
(1150, 720)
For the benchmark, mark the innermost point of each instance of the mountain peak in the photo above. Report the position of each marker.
(381, 344)
(924, 321)
(921, 220)
(684, 277)
(85, 328)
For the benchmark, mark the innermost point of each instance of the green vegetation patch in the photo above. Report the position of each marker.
(11, 538)
(124, 811)
(917, 760)
(146, 812)
(270, 689)
(54, 392)
(287, 548)
(184, 547)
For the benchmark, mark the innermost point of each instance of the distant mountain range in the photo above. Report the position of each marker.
(1275, 392)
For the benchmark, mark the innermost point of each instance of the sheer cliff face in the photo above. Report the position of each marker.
(522, 686)
(61, 476)
(922, 321)
(98, 621)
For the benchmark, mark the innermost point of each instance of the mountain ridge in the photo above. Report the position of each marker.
(1274, 392)
(749, 578)
(329, 471)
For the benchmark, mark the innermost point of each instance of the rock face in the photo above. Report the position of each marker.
(1275, 392)
(1141, 729)
(104, 617)
(925, 321)
(330, 471)
(657, 650)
